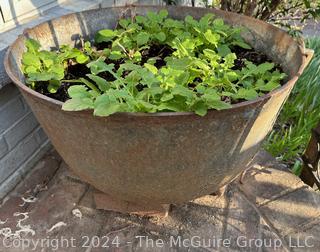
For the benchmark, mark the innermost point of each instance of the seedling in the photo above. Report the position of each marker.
(152, 64)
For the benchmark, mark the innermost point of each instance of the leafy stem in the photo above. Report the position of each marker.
(84, 81)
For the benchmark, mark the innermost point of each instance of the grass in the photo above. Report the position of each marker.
(299, 115)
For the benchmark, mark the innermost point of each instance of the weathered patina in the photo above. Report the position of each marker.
(158, 158)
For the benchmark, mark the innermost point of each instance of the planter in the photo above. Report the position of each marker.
(158, 158)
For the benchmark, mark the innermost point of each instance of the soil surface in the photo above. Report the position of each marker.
(156, 51)
(250, 55)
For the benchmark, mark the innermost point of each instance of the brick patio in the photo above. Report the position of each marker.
(272, 206)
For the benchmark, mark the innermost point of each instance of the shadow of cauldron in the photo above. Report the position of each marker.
(159, 158)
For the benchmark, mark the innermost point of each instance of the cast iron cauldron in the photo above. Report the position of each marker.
(158, 158)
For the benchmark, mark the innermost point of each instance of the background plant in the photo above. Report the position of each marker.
(290, 14)
(299, 115)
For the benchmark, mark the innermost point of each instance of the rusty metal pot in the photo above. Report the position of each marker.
(161, 157)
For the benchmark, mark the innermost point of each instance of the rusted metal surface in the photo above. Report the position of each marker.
(158, 158)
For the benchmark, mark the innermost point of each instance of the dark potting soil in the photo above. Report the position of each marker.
(248, 54)
(158, 52)
(74, 72)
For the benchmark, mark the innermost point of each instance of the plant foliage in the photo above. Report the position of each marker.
(289, 14)
(193, 71)
(299, 115)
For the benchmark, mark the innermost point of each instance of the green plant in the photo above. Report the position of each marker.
(153, 63)
(299, 115)
(271, 9)
(282, 13)
(48, 66)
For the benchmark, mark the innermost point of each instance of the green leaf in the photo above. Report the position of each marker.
(220, 27)
(101, 82)
(124, 23)
(241, 44)
(176, 105)
(119, 94)
(128, 66)
(161, 36)
(218, 104)
(269, 86)
(142, 38)
(229, 60)
(189, 20)
(141, 19)
(32, 45)
(297, 168)
(89, 84)
(106, 109)
(100, 66)
(277, 76)
(167, 97)
(133, 78)
(58, 71)
(201, 64)
(116, 55)
(201, 89)
(247, 94)
(211, 54)
(153, 91)
(137, 56)
(144, 106)
(189, 44)
(77, 104)
(232, 76)
(211, 95)
(151, 68)
(264, 67)
(223, 50)
(48, 63)
(200, 108)
(183, 78)
(87, 47)
(181, 50)
(105, 35)
(78, 91)
(182, 91)
(213, 38)
(170, 23)
(53, 86)
(30, 59)
(44, 76)
(179, 64)
(163, 13)
(148, 78)
(30, 69)
(103, 106)
(82, 58)
(94, 93)
(204, 21)
(152, 16)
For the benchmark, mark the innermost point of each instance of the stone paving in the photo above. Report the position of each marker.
(271, 210)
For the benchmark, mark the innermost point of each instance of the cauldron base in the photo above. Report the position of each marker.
(106, 202)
